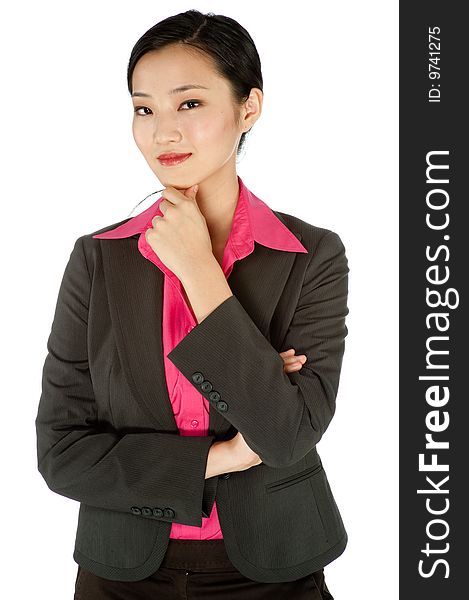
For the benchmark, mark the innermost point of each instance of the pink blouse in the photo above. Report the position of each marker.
(253, 221)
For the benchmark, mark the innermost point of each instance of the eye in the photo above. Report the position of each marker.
(191, 102)
(137, 108)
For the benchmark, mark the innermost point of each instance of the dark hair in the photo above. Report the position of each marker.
(230, 46)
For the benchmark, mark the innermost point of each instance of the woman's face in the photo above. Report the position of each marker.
(200, 121)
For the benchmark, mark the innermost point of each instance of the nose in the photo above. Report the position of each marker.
(166, 130)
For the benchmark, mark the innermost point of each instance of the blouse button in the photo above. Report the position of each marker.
(194, 423)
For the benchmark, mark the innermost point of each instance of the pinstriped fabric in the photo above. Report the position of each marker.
(106, 429)
(253, 221)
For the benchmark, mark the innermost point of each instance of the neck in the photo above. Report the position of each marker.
(217, 202)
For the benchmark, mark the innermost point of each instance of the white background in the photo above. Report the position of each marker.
(324, 150)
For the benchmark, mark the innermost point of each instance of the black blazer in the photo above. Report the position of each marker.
(106, 434)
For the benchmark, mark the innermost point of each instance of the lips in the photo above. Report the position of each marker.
(173, 158)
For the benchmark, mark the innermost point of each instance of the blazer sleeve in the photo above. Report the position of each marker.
(281, 416)
(96, 465)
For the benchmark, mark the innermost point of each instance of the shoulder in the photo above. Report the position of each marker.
(89, 247)
(312, 236)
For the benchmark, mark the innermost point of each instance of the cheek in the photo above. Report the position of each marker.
(141, 136)
(215, 130)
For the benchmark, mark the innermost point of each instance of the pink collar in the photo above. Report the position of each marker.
(253, 221)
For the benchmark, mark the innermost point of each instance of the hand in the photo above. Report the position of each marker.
(180, 237)
(245, 457)
(292, 362)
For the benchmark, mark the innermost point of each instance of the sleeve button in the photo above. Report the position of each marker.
(206, 386)
(136, 510)
(197, 377)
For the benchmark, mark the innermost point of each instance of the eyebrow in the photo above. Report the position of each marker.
(178, 90)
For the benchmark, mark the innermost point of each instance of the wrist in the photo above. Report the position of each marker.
(206, 288)
(220, 459)
(207, 266)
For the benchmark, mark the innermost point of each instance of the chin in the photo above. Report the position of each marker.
(179, 181)
(175, 184)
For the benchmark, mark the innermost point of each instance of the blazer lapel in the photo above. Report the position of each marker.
(135, 293)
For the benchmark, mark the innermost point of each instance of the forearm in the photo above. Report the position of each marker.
(206, 287)
(234, 355)
(231, 455)
(220, 459)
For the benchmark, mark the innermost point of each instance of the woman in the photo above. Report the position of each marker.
(195, 354)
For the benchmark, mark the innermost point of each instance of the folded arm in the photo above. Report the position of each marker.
(281, 416)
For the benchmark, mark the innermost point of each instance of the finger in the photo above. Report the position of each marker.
(173, 196)
(192, 191)
(155, 220)
(292, 359)
(289, 360)
(293, 367)
(163, 205)
(287, 352)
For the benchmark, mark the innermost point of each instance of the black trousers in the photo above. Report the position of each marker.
(198, 569)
